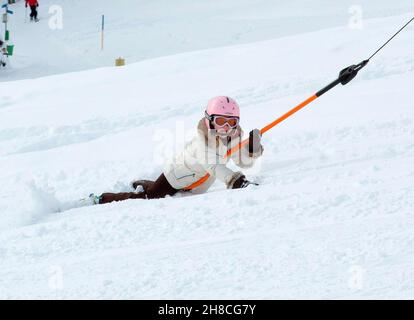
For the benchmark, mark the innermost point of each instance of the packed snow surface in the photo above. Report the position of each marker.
(333, 215)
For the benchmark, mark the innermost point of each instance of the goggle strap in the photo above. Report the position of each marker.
(209, 117)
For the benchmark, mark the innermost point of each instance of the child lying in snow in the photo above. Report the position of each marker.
(218, 132)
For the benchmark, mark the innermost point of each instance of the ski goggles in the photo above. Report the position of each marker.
(221, 121)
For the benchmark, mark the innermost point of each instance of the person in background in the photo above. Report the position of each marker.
(33, 4)
(3, 52)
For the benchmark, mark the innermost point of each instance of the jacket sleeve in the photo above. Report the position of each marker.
(243, 159)
(221, 172)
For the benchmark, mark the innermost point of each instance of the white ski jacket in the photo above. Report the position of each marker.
(204, 154)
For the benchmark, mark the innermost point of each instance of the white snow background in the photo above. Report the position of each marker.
(333, 215)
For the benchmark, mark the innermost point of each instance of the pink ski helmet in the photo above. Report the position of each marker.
(223, 106)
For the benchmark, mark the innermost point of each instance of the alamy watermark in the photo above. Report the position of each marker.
(355, 21)
(56, 19)
(55, 280)
(356, 277)
(192, 147)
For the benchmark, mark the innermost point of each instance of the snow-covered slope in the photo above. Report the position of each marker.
(332, 218)
(140, 29)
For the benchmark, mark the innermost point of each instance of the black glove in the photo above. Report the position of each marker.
(255, 148)
(239, 181)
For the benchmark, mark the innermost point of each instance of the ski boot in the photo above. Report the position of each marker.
(91, 200)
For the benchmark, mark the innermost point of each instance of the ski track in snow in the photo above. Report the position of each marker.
(332, 217)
